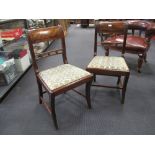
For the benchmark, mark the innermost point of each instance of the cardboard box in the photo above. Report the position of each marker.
(22, 61)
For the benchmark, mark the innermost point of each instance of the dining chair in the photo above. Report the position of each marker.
(60, 79)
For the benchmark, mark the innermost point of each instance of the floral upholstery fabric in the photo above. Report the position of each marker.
(108, 63)
(62, 75)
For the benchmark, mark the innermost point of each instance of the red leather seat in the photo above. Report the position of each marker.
(135, 43)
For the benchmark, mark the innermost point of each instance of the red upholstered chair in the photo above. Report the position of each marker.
(135, 43)
(140, 25)
(109, 65)
(57, 80)
(150, 30)
(138, 44)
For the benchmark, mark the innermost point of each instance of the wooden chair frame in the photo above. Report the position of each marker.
(119, 28)
(141, 26)
(45, 35)
(134, 25)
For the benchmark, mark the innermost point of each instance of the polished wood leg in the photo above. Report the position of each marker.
(107, 52)
(118, 80)
(52, 101)
(101, 35)
(124, 88)
(88, 86)
(140, 62)
(140, 32)
(40, 91)
(94, 77)
(145, 57)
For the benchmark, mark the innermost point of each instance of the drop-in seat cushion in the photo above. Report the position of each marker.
(62, 76)
(108, 63)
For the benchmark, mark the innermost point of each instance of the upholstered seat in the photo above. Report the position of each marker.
(62, 76)
(108, 63)
(132, 43)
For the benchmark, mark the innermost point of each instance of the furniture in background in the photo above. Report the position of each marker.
(60, 79)
(108, 65)
(135, 43)
(84, 23)
(140, 25)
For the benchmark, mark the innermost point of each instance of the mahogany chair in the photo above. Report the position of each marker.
(110, 65)
(136, 43)
(140, 25)
(59, 79)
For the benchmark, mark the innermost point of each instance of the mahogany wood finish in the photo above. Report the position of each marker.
(135, 44)
(138, 44)
(47, 34)
(140, 25)
(111, 28)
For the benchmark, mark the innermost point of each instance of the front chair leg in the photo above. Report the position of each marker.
(88, 86)
(52, 102)
(126, 78)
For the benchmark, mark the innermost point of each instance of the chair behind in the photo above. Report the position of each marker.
(110, 28)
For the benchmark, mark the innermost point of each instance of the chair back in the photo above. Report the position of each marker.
(110, 28)
(138, 25)
(46, 35)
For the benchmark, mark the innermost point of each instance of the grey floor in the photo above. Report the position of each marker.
(20, 112)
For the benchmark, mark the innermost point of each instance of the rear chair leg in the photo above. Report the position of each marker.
(145, 58)
(53, 113)
(124, 88)
(118, 81)
(94, 77)
(88, 86)
(40, 92)
(107, 52)
(140, 62)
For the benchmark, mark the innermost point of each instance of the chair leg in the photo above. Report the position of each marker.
(40, 91)
(140, 62)
(145, 57)
(118, 80)
(107, 52)
(124, 88)
(88, 86)
(140, 33)
(52, 102)
(101, 35)
(94, 77)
